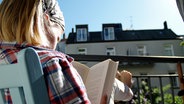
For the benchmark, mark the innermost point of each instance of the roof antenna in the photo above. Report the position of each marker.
(131, 23)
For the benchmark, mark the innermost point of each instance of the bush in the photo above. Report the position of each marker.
(155, 93)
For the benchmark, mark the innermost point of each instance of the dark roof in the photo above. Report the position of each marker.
(95, 36)
(128, 35)
(146, 35)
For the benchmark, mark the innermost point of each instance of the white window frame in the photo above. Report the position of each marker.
(82, 51)
(141, 50)
(168, 50)
(81, 34)
(109, 33)
(110, 51)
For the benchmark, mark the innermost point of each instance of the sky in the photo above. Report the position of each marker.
(132, 14)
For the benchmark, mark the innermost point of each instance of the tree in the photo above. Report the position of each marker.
(182, 43)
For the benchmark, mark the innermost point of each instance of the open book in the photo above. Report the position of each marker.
(98, 79)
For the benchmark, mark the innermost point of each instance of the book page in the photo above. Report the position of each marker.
(81, 69)
(95, 83)
(98, 79)
(110, 77)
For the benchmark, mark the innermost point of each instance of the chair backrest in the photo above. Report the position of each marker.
(24, 79)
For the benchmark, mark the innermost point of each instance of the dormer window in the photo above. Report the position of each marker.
(108, 33)
(81, 34)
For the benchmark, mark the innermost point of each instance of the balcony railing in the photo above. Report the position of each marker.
(160, 90)
(148, 59)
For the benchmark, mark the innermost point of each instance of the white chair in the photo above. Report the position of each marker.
(24, 79)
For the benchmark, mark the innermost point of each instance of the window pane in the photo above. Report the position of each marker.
(141, 50)
(110, 51)
(109, 33)
(82, 51)
(82, 34)
(168, 50)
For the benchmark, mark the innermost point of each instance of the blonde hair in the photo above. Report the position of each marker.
(22, 21)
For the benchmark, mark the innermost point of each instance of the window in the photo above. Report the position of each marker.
(168, 50)
(141, 50)
(82, 34)
(110, 51)
(109, 33)
(128, 52)
(82, 51)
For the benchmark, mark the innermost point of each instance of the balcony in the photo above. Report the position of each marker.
(148, 97)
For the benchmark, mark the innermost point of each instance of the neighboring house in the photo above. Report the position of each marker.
(62, 44)
(113, 40)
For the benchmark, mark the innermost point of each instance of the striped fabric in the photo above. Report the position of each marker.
(64, 84)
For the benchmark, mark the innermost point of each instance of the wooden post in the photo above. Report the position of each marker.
(180, 77)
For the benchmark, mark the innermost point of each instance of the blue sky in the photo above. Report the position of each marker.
(132, 14)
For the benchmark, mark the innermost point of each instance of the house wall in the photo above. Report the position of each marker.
(155, 48)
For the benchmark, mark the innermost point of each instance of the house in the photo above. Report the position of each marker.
(113, 40)
(62, 44)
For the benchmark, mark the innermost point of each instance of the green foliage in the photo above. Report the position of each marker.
(182, 43)
(145, 97)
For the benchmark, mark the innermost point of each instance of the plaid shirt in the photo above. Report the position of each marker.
(64, 84)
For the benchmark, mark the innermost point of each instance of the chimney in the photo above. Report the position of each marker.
(165, 25)
(72, 30)
(64, 36)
